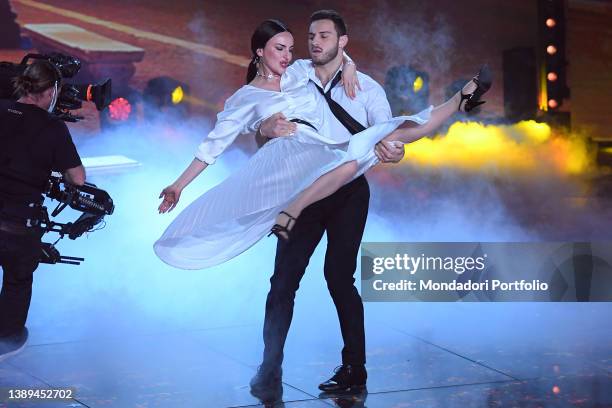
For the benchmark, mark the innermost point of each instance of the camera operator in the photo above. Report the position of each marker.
(33, 143)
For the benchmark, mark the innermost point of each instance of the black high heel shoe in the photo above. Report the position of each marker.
(277, 229)
(483, 80)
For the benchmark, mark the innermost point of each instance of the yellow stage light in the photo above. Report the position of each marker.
(418, 84)
(177, 95)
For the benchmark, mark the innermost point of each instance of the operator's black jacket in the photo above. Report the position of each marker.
(33, 143)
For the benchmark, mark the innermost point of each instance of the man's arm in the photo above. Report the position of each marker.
(379, 110)
(66, 159)
(75, 175)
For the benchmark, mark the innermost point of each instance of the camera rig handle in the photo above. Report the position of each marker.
(50, 255)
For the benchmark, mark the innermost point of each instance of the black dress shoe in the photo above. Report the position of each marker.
(267, 384)
(347, 379)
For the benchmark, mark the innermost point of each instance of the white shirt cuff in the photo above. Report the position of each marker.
(204, 157)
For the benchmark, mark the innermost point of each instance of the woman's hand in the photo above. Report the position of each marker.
(171, 195)
(350, 80)
(277, 125)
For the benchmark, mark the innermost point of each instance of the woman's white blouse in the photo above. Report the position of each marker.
(249, 106)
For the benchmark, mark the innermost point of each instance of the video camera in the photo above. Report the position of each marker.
(93, 202)
(70, 95)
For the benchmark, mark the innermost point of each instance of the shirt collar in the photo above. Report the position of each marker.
(313, 76)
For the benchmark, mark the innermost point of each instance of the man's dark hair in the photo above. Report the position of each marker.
(36, 78)
(332, 15)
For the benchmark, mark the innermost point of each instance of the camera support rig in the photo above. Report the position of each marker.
(93, 202)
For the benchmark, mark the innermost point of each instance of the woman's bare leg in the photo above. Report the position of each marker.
(323, 187)
(408, 132)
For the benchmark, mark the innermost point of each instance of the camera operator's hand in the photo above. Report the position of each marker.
(171, 195)
(75, 175)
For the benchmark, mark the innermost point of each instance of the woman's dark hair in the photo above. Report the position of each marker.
(260, 38)
(332, 15)
(36, 78)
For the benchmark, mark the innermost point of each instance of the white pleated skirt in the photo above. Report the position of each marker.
(231, 217)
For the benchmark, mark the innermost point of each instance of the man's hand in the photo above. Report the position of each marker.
(277, 125)
(75, 175)
(389, 151)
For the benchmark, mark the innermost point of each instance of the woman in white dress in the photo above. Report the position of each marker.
(286, 172)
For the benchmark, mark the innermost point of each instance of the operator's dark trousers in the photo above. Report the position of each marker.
(343, 215)
(19, 256)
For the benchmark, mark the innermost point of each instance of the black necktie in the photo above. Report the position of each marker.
(343, 116)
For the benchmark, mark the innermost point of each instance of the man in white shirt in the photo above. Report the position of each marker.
(342, 215)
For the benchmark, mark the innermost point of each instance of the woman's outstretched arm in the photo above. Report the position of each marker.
(172, 193)
(231, 122)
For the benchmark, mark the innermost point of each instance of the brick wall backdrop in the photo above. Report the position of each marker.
(447, 38)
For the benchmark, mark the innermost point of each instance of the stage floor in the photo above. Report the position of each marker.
(437, 355)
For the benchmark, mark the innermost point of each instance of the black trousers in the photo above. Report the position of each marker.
(19, 257)
(343, 216)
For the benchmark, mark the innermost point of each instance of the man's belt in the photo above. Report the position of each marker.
(20, 211)
(14, 227)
